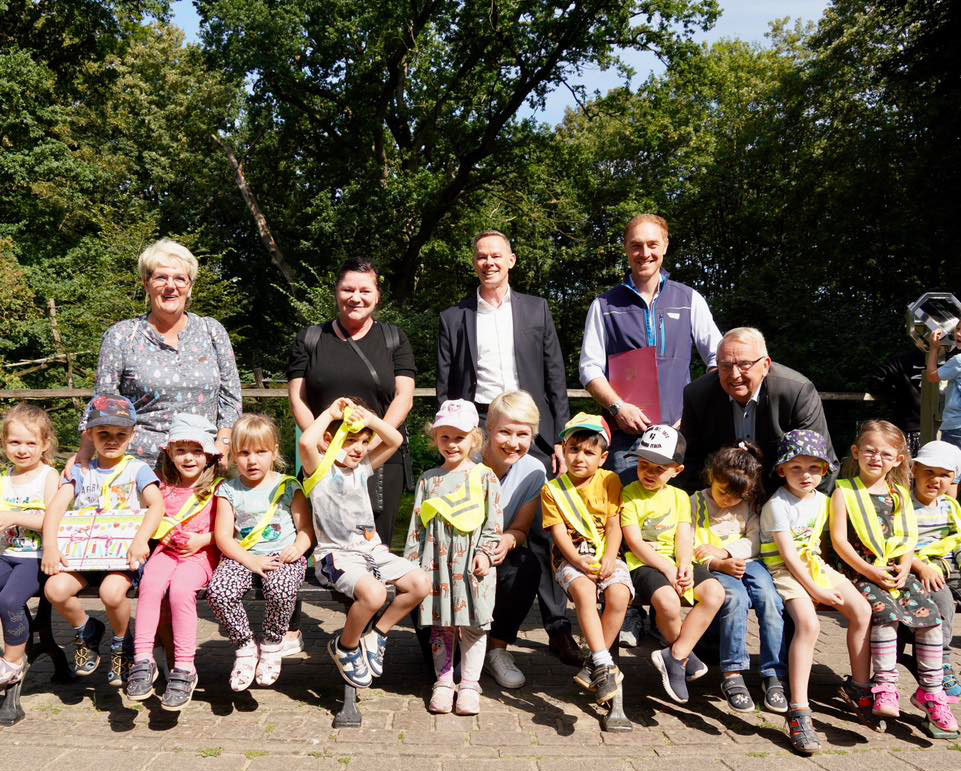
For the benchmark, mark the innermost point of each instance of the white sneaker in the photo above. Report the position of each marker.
(500, 665)
(629, 629)
(292, 646)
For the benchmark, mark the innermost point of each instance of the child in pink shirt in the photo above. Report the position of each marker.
(183, 562)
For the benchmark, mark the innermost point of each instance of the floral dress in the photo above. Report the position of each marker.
(457, 596)
(912, 607)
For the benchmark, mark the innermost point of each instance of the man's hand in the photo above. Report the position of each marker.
(631, 419)
(482, 564)
(507, 542)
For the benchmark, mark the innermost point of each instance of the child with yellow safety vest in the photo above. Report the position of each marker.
(262, 528)
(183, 562)
(792, 524)
(454, 533)
(112, 480)
(656, 521)
(580, 509)
(29, 443)
(874, 531)
(338, 463)
(727, 541)
(938, 553)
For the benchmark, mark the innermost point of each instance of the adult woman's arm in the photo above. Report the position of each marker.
(297, 394)
(399, 408)
(230, 399)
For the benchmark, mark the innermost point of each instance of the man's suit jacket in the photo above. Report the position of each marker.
(787, 400)
(537, 353)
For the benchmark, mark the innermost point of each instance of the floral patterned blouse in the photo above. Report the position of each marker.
(200, 376)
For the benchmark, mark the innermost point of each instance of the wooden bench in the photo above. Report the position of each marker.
(42, 643)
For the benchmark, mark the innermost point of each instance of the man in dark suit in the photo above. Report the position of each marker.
(497, 340)
(747, 398)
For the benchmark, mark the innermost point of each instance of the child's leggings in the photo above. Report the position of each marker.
(927, 651)
(473, 645)
(19, 581)
(232, 581)
(166, 573)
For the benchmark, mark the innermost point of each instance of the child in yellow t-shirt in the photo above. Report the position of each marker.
(656, 521)
(580, 511)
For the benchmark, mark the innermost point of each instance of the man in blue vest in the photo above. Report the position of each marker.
(647, 310)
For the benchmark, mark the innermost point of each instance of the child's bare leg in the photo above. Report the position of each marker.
(801, 653)
(113, 594)
(583, 592)
(616, 599)
(62, 590)
(667, 612)
(369, 597)
(411, 590)
(710, 596)
(857, 612)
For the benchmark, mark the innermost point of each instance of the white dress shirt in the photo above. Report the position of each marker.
(495, 365)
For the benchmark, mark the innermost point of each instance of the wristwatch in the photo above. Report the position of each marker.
(614, 409)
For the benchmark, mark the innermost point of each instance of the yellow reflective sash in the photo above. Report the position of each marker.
(465, 508)
(574, 511)
(191, 508)
(253, 537)
(105, 488)
(863, 516)
(703, 534)
(934, 553)
(347, 426)
(808, 550)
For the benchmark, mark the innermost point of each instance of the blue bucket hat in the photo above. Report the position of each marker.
(803, 441)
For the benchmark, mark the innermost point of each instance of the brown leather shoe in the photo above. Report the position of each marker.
(562, 645)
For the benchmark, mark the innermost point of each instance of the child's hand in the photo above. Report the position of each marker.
(482, 564)
(291, 554)
(361, 416)
(607, 565)
(901, 574)
(830, 597)
(936, 337)
(137, 553)
(702, 552)
(731, 566)
(683, 578)
(262, 564)
(883, 577)
(337, 408)
(931, 578)
(588, 565)
(53, 561)
(194, 543)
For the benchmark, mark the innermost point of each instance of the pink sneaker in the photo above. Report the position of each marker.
(887, 700)
(941, 723)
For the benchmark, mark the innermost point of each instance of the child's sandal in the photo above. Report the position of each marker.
(268, 668)
(800, 730)
(737, 695)
(245, 668)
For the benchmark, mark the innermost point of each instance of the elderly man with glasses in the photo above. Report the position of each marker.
(747, 398)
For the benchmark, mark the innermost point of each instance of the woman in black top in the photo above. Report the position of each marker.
(354, 355)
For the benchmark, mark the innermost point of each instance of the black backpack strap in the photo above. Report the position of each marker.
(391, 336)
(312, 338)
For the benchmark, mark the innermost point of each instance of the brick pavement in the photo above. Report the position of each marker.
(545, 726)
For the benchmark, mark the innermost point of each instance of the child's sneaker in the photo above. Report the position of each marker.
(375, 645)
(86, 644)
(887, 701)
(468, 699)
(630, 633)
(694, 668)
(121, 659)
(800, 730)
(673, 674)
(585, 673)
(441, 698)
(952, 688)
(605, 680)
(180, 688)
(941, 723)
(351, 664)
(139, 685)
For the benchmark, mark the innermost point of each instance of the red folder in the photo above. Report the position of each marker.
(634, 376)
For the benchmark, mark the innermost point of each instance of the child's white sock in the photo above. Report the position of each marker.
(602, 658)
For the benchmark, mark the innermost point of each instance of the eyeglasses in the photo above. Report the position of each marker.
(740, 366)
(162, 279)
(870, 452)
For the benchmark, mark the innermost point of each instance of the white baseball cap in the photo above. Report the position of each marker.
(938, 454)
(457, 413)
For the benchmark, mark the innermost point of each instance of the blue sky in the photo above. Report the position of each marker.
(744, 19)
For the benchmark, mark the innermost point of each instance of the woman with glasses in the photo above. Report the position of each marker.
(170, 360)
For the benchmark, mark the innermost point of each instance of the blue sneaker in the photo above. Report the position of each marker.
(952, 688)
(375, 644)
(351, 664)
